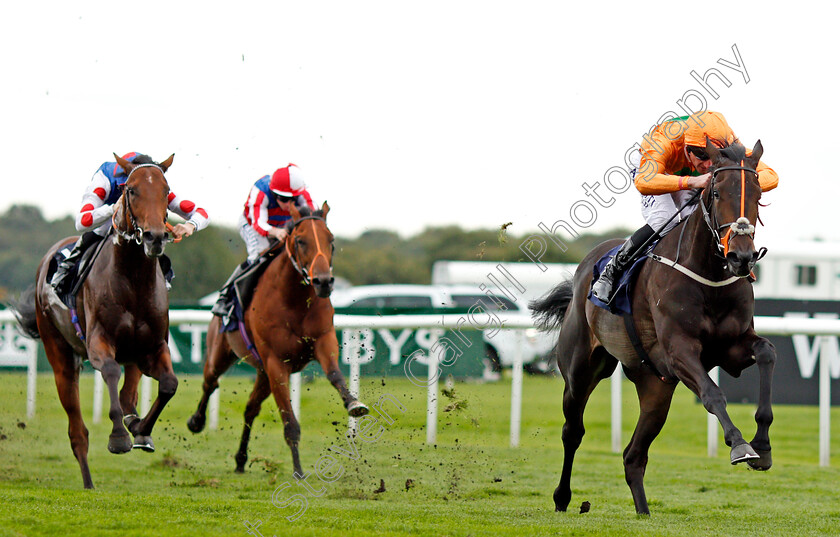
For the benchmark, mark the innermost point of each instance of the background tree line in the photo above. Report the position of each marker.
(204, 261)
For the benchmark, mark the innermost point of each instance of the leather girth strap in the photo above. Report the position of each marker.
(630, 326)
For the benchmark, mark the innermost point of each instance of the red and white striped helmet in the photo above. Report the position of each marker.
(287, 182)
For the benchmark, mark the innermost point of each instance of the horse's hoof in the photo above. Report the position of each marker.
(145, 443)
(742, 453)
(196, 423)
(561, 501)
(239, 470)
(119, 443)
(763, 462)
(357, 409)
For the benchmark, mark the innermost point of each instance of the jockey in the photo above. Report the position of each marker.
(98, 205)
(266, 212)
(671, 162)
(267, 208)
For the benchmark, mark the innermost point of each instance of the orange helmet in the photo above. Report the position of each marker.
(287, 182)
(708, 124)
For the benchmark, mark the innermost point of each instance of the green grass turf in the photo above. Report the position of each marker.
(471, 483)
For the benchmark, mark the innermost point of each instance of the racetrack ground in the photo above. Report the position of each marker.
(470, 484)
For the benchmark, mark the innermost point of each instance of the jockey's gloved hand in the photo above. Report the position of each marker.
(699, 181)
(183, 230)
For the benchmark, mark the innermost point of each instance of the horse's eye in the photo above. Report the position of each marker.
(716, 194)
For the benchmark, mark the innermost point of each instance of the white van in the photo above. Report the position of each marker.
(404, 299)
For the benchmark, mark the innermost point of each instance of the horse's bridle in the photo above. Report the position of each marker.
(306, 271)
(136, 234)
(740, 226)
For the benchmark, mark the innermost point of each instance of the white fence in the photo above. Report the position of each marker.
(17, 351)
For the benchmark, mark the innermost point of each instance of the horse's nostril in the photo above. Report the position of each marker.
(150, 237)
(332, 281)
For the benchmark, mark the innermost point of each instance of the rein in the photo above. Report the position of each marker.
(305, 272)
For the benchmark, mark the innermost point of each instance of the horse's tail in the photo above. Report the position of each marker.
(24, 311)
(549, 311)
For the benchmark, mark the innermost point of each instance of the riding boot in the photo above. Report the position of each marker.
(60, 281)
(624, 257)
(168, 272)
(224, 304)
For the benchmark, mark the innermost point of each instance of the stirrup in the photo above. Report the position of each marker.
(223, 309)
(609, 294)
(55, 281)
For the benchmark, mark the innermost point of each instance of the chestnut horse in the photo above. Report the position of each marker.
(290, 322)
(123, 316)
(693, 310)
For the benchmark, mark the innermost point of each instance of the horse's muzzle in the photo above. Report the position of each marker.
(741, 263)
(323, 285)
(154, 243)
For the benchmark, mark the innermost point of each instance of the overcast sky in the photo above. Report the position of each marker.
(407, 115)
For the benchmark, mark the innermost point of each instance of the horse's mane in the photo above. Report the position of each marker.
(304, 211)
(139, 159)
(734, 152)
(144, 159)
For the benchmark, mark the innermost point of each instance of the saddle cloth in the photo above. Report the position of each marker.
(622, 301)
(78, 272)
(242, 288)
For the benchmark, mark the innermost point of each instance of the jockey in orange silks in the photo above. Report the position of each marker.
(670, 164)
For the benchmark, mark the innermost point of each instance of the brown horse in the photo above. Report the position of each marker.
(691, 314)
(122, 318)
(290, 322)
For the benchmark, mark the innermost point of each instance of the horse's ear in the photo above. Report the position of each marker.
(712, 150)
(294, 212)
(325, 208)
(124, 164)
(757, 151)
(167, 163)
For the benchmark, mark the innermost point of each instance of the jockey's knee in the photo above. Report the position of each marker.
(656, 223)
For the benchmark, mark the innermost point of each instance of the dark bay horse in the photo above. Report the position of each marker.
(290, 322)
(689, 318)
(123, 316)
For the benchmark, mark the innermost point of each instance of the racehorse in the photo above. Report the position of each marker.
(692, 310)
(290, 322)
(122, 318)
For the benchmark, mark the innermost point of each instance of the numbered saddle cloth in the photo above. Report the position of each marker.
(622, 298)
